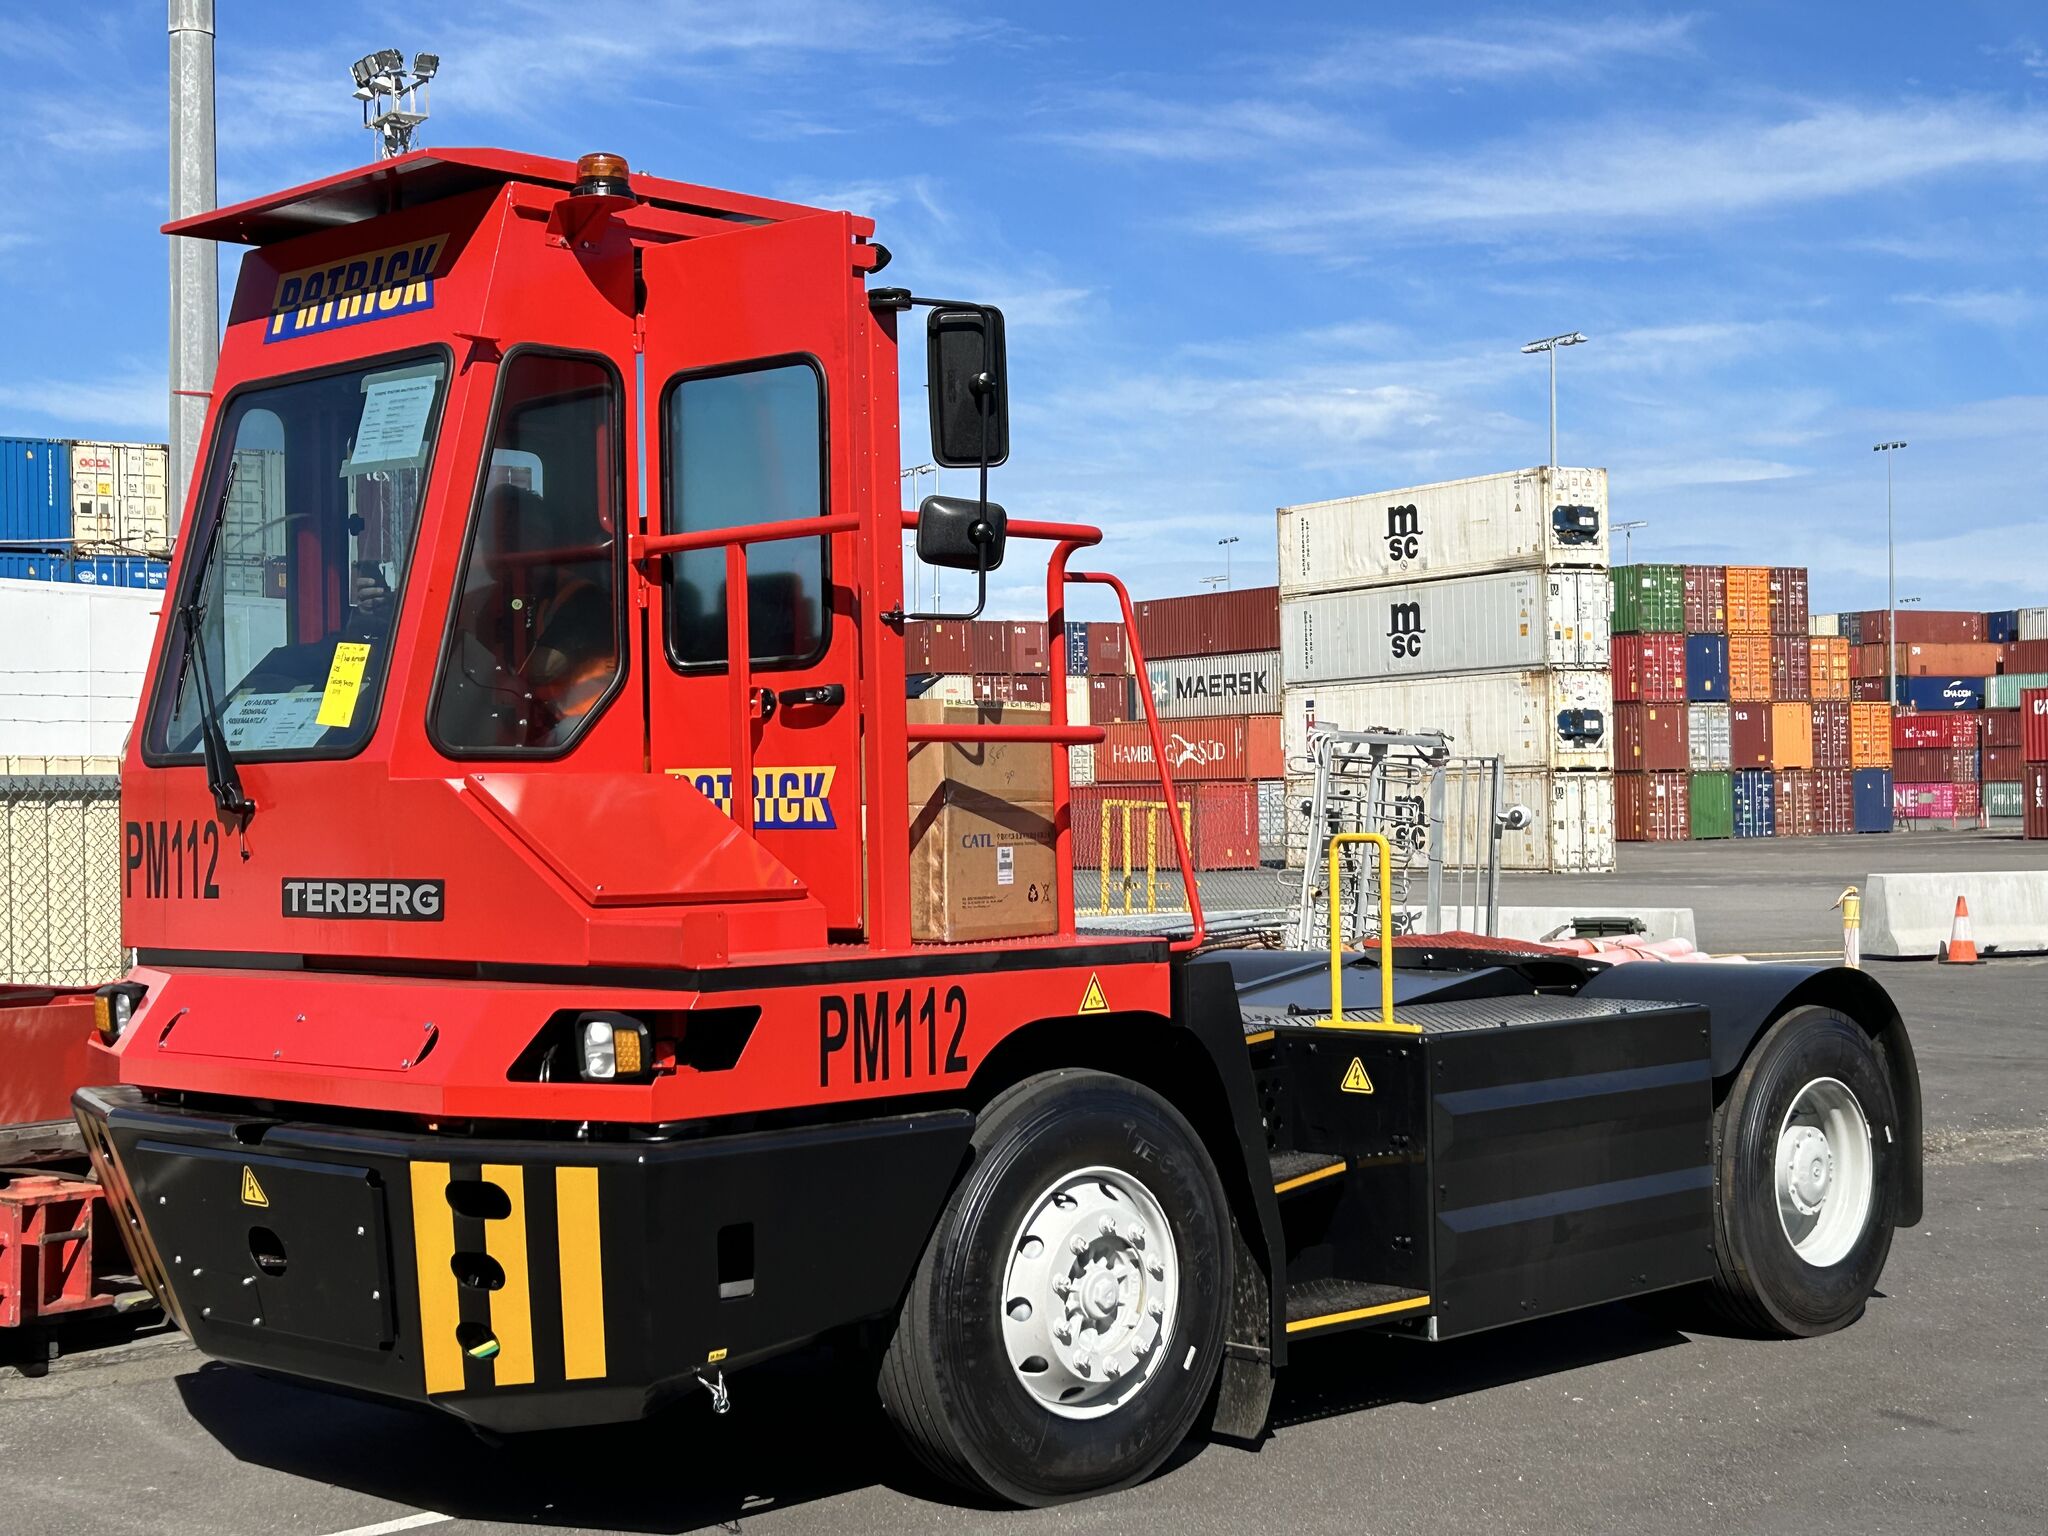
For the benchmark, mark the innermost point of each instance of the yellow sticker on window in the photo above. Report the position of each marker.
(344, 683)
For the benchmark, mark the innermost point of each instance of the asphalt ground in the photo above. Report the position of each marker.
(1930, 1414)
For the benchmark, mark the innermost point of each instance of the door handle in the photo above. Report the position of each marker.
(824, 695)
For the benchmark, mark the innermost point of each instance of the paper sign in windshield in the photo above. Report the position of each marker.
(394, 423)
(344, 683)
(271, 722)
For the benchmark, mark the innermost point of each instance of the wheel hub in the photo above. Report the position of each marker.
(1810, 1165)
(1825, 1172)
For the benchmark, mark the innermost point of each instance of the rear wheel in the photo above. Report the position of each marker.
(1805, 1165)
(1066, 1323)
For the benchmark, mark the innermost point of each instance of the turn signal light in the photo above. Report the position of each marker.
(613, 1047)
(113, 1006)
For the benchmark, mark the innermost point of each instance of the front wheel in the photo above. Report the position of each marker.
(1805, 1168)
(1066, 1323)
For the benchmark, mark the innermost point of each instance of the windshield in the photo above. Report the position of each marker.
(298, 554)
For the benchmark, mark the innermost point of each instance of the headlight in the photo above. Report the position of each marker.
(113, 1007)
(613, 1047)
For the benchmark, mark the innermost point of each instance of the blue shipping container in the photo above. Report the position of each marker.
(1873, 791)
(2002, 628)
(1929, 694)
(35, 494)
(15, 566)
(1756, 803)
(97, 571)
(1077, 650)
(1706, 669)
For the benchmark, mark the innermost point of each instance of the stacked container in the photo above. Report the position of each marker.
(118, 505)
(1478, 608)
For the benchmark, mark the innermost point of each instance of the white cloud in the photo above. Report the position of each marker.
(1125, 124)
(1500, 48)
(134, 399)
(1659, 477)
(2004, 307)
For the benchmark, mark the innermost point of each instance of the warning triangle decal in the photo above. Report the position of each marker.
(1355, 1079)
(252, 1192)
(1092, 1001)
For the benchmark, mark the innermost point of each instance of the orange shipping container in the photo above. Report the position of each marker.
(1749, 662)
(1749, 601)
(1829, 662)
(1981, 660)
(1870, 735)
(1792, 735)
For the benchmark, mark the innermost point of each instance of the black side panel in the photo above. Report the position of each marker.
(1572, 1163)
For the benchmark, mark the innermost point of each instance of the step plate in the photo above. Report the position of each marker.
(1326, 1306)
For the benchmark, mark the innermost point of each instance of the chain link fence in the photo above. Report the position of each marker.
(60, 857)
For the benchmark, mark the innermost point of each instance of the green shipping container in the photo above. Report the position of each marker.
(1712, 796)
(1649, 599)
(2005, 799)
(2004, 692)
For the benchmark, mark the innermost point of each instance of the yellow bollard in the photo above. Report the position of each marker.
(1851, 903)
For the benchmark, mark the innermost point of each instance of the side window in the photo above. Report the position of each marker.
(534, 649)
(747, 447)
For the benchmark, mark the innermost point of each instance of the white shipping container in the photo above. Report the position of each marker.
(117, 499)
(1818, 624)
(1494, 623)
(1237, 683)
(1078, 706)
(1453, 528)
(2034, 623)
(1706, 738)
(1080, 766)
(1535, 719)
(1571, 825)
(951, 688)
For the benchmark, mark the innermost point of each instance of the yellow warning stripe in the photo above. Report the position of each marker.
(1329, 1319)
(582, 1261)
(1309, 1178)
(511, 1308)
(1260, 1038)
(433, 1239)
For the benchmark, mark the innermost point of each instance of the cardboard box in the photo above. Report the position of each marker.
(981, 830)
(1015, 771)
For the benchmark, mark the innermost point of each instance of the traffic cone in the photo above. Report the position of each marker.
(1960, 949)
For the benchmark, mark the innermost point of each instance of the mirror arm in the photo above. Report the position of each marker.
(898, 616)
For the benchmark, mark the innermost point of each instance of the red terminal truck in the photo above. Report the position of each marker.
(491, 1047)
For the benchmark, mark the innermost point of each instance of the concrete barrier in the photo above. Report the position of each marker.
(1908, 917)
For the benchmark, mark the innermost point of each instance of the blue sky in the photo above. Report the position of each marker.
(1249, 255)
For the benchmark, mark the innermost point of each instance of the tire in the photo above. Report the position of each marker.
(953, 1379)
(1816, 1059)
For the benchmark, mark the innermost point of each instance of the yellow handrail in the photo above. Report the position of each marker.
(1336, 1020)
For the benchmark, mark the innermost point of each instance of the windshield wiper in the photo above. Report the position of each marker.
(222, 776)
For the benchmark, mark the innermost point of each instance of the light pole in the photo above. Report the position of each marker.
(1891, 577)
(910, 478)
(1550, 344)
(1225, 544)
(1628, 531)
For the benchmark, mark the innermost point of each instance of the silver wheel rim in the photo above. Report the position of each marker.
(1825, 1172)
(1090, 1293)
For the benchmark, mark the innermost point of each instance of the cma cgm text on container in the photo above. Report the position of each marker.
(1521, 518)
(1509, 620)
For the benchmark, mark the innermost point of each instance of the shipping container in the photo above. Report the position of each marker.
(988, 647)
(1828, 624)
(1873, 790)
(1245, 683)
(1788, 600)
(1749, 736)
(35, 496)
(1934, 802)
(1756, 803)
(1791, 735)
(1651, 807)
(1706, 738)
(2034, 725)
(1272, 821)
(1498, 522)
(1650, 738)
(1571, 821)
(2026, 656)
(934, 646)
(135, 571)
(1791, 668)
(1937, 693)
(1651, 669)
(1831, 735)
(1935, 765)
(1869, 689)
(1749, 600)
(1035, 689)
(1227, 747)
(1080, 706)
(117, 499)
(1920, 626)
(1922, 730)
(1077, 650)
(1870, 735)
(1706, 599)
(2034, 789)
(2001, 765)
(2004, 800)
(1998, 728)
(1927, 660)
(1509, 620)
(2033, 624)
(1539, 719)
(1080, 766)
(1109, 650)
(945, 687)
(1649, 599)
(1706, 669)
(2004, 692)
(1834, 802)
(1827, 665)
(1109, 700)
(994, 688)
(1749, 669)
(1027, 647)
(1798, 807)
(1710, 806)
(1209, 623)
(2002, 625)
(1221, 819)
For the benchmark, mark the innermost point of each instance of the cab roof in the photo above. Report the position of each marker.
(428, 175)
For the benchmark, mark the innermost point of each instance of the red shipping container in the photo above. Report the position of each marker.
(2034, 724)
(1932, 730)
(1749, 736)
(1222, 820)
(1798, 808)
(1788, 600)
(1923, 802)
(995, 688)
(988, 647)
(1652, 807)
(1791, 668)
(2001, 727)
(1869, 690)
(2027, 656)
(1262, 749)
(2002, 765)
(1109, 699)
(1920, 626)
(1031, 690)
(1835, 803)
(1650, 738)
(2034, 800)
(1026, 647)
(1831, 735)
(1649, 669)
(1935, 765)
(1706, 600)
(1209, 623)
(1108, 654)
(1214, 748)
(937, 647)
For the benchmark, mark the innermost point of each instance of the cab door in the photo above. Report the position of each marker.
(754, 409)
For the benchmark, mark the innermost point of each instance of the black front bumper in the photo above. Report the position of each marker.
(521, 1284)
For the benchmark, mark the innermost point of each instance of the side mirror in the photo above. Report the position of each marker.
(969, 386)
(961, 533)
